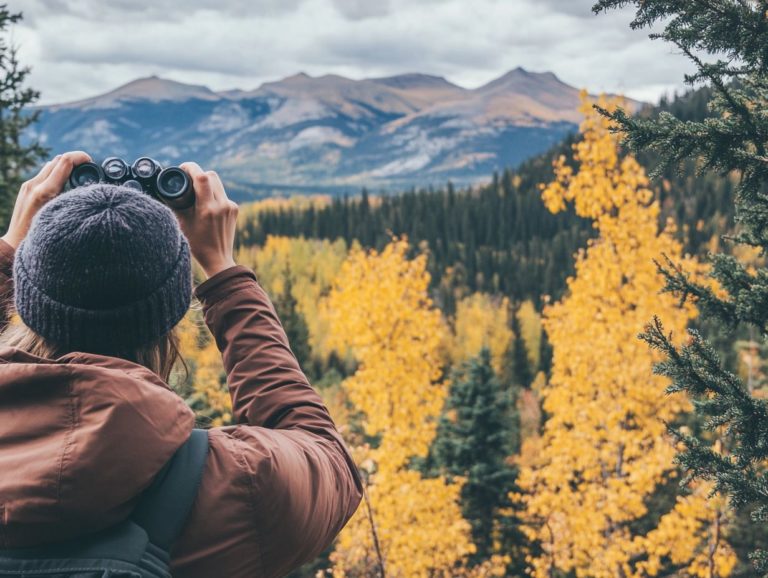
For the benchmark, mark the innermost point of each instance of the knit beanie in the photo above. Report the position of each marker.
(103, 269)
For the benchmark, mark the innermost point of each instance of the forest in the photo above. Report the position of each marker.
(445, 331)
(559, 373)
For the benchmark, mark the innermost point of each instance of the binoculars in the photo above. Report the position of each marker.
(170, 185)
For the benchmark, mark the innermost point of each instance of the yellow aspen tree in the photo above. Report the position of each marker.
(481, 321)
(530, 327)
(604, 449)
(380, 310)
(678, 538)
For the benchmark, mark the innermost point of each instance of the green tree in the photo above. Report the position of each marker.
(16, 157)
(293, 322)
(477, 433)
(727, 40)
(522, 375)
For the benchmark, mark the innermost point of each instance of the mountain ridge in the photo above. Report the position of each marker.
(410, 129)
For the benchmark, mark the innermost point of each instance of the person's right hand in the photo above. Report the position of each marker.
(38, 190)
(210, 223)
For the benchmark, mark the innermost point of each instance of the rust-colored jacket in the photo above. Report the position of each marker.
(81, 436)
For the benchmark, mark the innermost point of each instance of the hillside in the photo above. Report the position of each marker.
(500, 238)
(323, 133)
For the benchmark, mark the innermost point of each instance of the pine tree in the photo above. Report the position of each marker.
(293, 322)
(476, 434)
(16, 157)
(521, 366)
(734, 35)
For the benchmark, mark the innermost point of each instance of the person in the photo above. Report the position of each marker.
(100, 277)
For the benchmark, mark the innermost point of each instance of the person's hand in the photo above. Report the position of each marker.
(210, 223)
(37, 191)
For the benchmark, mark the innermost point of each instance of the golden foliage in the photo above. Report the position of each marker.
(530, 327)
(273, 204)
(481, 321)
(380, 310)
(604, 448)
(679, 538)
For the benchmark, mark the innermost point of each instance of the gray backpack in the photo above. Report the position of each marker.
(136, 548)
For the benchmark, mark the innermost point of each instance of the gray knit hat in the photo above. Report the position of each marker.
(103, 269)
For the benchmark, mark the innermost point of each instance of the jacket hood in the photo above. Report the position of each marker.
(81, 437)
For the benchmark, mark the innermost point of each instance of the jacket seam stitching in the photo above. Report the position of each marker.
(69, 435)
(242, 462)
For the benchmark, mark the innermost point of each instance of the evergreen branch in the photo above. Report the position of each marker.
(719, 395)
(678, 283)
(714, 73)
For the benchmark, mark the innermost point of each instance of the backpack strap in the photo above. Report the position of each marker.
(165, 506)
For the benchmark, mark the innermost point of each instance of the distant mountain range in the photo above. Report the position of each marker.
(327, 133)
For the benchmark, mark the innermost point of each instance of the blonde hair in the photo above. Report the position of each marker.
(159, 356)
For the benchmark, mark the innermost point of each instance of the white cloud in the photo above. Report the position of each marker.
(78, 48)
(363, 9)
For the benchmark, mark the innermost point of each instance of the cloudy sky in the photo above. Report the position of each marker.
(79, 48)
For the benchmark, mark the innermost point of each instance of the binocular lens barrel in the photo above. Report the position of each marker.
(145, 168)
(115, 169)
(175, 188)
(86, 174)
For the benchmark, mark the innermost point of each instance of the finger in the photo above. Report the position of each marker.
(74, 158)
(59, 172)
(200, 182)
(55, 181)
(45, 171)
(218, 187)
(77, 157)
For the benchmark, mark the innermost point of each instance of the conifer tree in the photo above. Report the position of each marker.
(16, 157)
(476, 434)
(727, 40)
(293, 322)
(521, 365)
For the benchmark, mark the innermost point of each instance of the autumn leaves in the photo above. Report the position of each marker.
(589, 475)
(605, 450)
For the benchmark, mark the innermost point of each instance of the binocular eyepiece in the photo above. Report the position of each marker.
(171, 185)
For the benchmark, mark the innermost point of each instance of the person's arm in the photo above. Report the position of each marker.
(305, 485)
(267, 385)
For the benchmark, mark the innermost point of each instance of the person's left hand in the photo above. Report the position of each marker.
(37, 191)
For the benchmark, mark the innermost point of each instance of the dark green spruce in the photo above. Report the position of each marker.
(727, 40)
(517, 356)
(476, 435)
(293, 321)
(17, 157)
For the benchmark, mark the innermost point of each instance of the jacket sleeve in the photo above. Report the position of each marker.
(305, 484)
(6, 283)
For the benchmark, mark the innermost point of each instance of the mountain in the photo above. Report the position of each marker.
(326, 132)
(150, 89)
